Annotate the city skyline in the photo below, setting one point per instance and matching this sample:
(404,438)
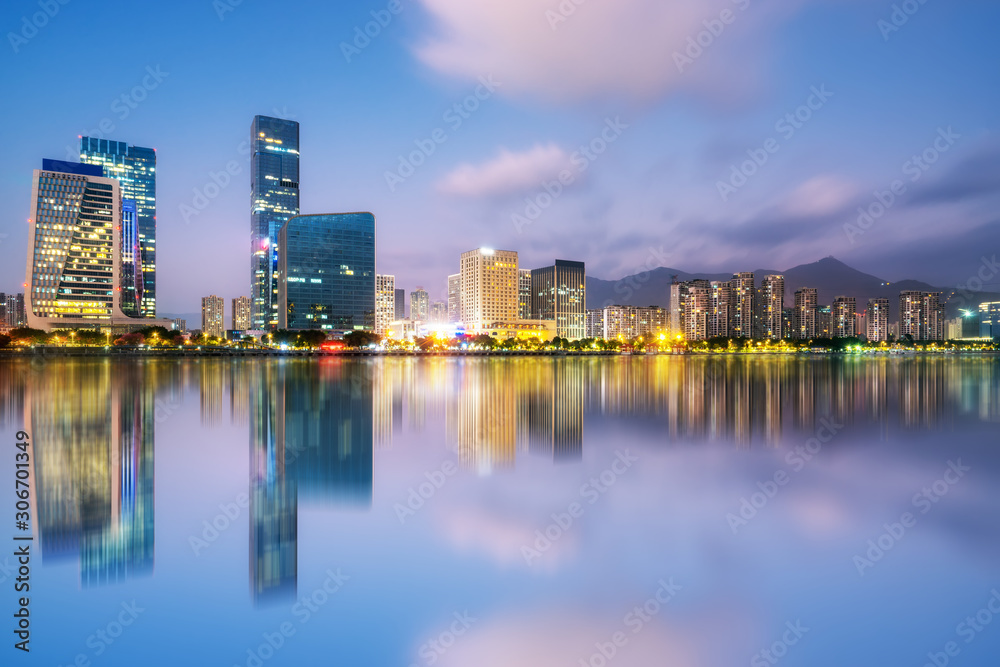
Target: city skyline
(653,191)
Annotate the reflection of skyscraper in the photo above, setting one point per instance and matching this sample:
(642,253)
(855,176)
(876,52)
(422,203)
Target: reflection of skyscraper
(555,410)
(94,468)
(274,508)
(486,425)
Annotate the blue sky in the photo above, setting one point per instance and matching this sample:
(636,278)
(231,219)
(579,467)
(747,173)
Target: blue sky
(673,128)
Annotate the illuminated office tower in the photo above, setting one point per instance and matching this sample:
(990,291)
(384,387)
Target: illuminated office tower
(744,292)
(213,310)
(806,314)
(455,297)
(385,303)
(274,199)
(400,304)
(524,293)
(559,292)
(134,168)
(720,313)
(877,317)
(489,288)
(420,305)
(843,311)
(326,272)
(771,303)
(242,313)
(921,315)
(438,312)
(74,267)
(989,319)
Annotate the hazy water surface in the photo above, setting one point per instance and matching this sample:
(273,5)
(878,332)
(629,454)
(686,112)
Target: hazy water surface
(488,512)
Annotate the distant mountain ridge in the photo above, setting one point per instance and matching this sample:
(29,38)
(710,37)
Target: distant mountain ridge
(829,276)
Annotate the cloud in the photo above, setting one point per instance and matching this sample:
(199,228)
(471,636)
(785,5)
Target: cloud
(820,195)
(506,173)
(627,49)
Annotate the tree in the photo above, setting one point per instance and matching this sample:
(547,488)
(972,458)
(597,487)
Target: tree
(130,339)
(90,337)
(28,336)
(4,340)
(311,338)
(361,339)
(484,341)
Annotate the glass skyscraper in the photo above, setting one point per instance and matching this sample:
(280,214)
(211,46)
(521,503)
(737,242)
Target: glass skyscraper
(134,168)
(274,199)
(559,292)
(326,272)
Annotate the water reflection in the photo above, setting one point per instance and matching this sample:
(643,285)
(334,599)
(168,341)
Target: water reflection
(314,425)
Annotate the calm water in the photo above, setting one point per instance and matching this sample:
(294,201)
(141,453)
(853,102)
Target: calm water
(487,513)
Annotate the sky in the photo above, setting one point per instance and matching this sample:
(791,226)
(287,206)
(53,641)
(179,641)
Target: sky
(703,135)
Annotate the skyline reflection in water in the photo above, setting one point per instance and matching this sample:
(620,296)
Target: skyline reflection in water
(318,434)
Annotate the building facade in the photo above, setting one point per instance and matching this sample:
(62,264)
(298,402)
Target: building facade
(438,312)
(844,311)
(274,199)
(242,313)
(12,310)
(771,303)
(400,304)
(489,288)
(134,167)
(989,320)
(921,315)
(420,305)
(524,293)
(877,320)
(455,297)
(626,323)
(806,313)
(559,292)
(326,272)
(744,304)
(213,316)
(385,303)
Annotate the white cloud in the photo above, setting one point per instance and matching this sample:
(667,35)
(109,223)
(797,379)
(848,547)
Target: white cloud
(623,49)
(820,195)
(507,172)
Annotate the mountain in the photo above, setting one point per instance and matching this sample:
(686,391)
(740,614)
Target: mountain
(829,275)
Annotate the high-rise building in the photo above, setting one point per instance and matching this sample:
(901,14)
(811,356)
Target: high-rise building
(844,312)
(399,304)
(489,288)
(771,302)
(559,292)
(455,297)
(824,322)
(438,312)
(989,319)
(806,314)
(921,315)
(720,310)
(12,310)
(74,268)
(179,324)
(524,293)
(326,272)
(420,305)
(242,311)
(274,199)
(744,304)
(385,303)
(595,323)
(877,320)
(213,312)
(134,167)
(678,301)
(697,310)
